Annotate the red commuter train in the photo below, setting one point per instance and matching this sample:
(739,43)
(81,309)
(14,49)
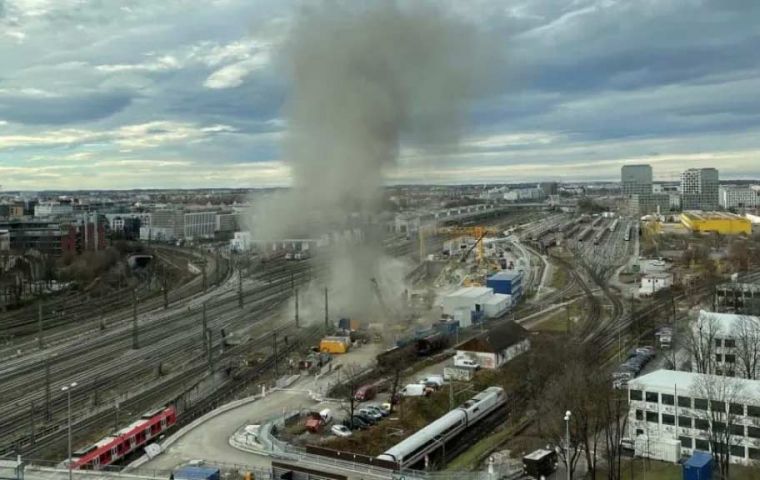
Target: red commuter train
(125,441)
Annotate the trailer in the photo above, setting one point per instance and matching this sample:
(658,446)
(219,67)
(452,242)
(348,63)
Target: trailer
(540,464)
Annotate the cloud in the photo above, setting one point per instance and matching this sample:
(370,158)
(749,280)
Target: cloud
(40,110)
(233,75)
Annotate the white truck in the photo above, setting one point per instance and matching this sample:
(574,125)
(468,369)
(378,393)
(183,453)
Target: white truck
(466,362)
(414,390)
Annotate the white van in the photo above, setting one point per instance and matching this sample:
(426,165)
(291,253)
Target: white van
(413,390)
(466,362)
(326,415)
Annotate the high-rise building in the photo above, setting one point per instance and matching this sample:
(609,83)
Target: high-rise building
(636,179)
(699,188)
(739,196)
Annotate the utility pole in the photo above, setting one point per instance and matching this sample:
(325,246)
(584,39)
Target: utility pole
(48,415)
(296,308)
(204,327)
(31,423)
(205,286)
(240,287)
(327,311)
(209,352)
(166,293)
(274,346)
(451,396)
(218,267)
(40,341)
(135,331)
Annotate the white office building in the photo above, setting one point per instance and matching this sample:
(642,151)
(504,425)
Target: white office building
(733,196)
(199,225)
(52,209)
(636,179)
(726,344)
(669,406)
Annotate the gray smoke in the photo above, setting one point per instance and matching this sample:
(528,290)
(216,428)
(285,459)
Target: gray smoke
(364,79)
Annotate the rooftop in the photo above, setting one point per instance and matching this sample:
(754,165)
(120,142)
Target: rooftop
(497,339)
(671,380)
(700,215)
(505,275)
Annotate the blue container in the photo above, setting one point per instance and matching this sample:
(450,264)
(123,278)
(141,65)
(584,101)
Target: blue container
(698,467)
(448,327)
(196,473)
(505,282)
(344,324)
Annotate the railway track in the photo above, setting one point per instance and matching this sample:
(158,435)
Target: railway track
(109,361)
(61,327)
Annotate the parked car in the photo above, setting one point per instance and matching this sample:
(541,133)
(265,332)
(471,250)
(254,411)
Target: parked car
(326,415)
(366,418)
(436,380)
(373,414)
(355,424)
(340,431)
(380,409)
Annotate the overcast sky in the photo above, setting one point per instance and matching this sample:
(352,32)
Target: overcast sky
(190,93)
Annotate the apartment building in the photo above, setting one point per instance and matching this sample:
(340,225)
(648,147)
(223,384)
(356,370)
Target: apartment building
(701,412)
(732,196)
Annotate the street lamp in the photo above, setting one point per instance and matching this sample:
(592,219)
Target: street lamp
(67,389)
(567,443)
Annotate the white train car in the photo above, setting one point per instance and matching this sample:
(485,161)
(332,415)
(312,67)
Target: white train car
(414,448)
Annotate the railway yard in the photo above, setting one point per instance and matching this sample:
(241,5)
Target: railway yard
(227,333)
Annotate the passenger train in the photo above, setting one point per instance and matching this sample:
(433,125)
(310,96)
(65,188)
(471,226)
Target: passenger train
(413,449)
(115,447)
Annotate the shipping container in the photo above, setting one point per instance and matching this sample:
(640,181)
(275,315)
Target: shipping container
(348,324)
(334,345)
(196,473)
(698,467)
(507,283)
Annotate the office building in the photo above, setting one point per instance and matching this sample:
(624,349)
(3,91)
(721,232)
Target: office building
(636,179)
(199,225)
(649,203)
(724,344)
(700,189)
(52,209)
(732,196)
(668,406)
(39,235)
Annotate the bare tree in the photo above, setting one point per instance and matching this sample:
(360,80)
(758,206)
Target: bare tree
(350,378)
(747,336)
(700,342)
(718,401)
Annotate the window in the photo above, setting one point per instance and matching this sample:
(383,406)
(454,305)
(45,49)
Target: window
(718,357)
(668,419)
(730,358)
(686,442)
(684,422)
(737,451)
(753,432)
(701,424)
(700,404)
(737,430)
(717,406)
(754,453)
(653,397)
(753,411)
(636,395)
(719,427)
(718,342)
(639,415)
(702,444)
(652,417)
(684,401)
(668,399)
(729,343)
(736,408)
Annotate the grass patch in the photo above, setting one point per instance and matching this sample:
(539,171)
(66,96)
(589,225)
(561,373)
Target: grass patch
(559,278)
(473,456)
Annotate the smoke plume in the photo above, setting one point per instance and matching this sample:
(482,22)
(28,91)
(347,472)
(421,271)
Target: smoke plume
(364,79)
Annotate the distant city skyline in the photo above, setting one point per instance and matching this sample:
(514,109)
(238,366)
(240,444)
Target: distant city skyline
(159,95)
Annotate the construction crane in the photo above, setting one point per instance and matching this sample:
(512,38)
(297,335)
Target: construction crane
(478,232)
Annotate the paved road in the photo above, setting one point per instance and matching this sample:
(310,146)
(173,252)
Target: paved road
(210,441)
